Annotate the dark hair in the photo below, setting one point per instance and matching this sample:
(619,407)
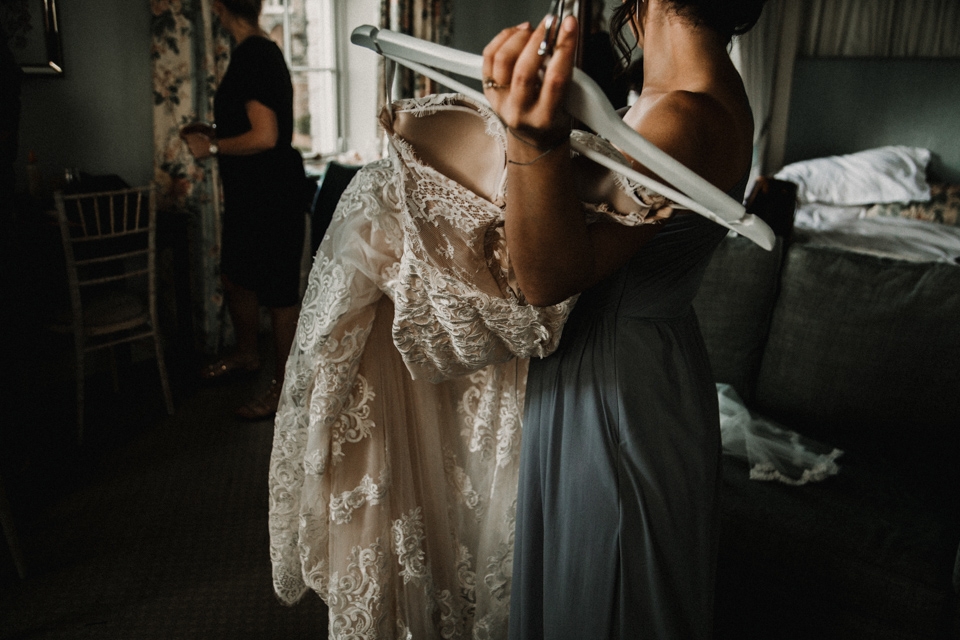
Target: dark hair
(247,9)
(726,17)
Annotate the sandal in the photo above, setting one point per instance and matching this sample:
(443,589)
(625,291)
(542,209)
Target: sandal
(263,407)
(229,369)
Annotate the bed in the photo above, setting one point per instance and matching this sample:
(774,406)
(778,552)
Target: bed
(878,201)
(874,147)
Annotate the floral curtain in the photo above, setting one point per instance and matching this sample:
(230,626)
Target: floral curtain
(426,19)
(190,54)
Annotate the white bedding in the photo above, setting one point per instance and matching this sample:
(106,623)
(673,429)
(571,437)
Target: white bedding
(835,195)
(900,238)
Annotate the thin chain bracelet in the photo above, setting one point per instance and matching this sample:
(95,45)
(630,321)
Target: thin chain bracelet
(531,144)
(545,153)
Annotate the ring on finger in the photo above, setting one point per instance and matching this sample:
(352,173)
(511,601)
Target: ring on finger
(490,83)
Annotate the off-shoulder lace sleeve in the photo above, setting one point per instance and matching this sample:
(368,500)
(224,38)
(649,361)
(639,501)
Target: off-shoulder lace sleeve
(457,306)
(607,193)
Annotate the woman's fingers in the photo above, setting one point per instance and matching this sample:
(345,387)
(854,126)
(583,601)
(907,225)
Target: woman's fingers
(526,95)
(198,144)
(541,91)
(505,59)
(527,67)
(559,70)
(493,53)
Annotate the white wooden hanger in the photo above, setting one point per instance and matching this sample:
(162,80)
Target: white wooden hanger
(585,102)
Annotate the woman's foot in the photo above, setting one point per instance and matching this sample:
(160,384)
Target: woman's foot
(229,368)
(262,407)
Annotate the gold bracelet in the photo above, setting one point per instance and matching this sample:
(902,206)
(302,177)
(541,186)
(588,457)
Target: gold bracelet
(547,152)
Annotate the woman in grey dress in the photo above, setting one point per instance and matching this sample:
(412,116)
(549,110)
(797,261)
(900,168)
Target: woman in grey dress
(617,509)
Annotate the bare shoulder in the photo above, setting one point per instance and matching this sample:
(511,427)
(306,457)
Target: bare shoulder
(710,135)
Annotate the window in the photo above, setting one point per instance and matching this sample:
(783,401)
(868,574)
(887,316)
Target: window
(330,115)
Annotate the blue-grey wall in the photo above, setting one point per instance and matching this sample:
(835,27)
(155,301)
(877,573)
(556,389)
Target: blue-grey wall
(476,22)
(98,116)
(844,105)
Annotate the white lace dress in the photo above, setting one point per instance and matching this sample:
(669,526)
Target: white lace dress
(393,477)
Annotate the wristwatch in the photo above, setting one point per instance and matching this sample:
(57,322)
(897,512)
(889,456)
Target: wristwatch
(214,149)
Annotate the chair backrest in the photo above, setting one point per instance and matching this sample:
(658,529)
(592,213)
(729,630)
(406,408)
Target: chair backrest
(108,237)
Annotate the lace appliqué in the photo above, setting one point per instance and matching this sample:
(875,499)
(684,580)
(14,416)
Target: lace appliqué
(457,609)
(367,493)
(491,411)
(355,597)
(354,423)
(408,538)
(461,484)
(455,285)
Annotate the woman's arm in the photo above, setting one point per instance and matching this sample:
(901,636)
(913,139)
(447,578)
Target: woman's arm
(263,135)
(553,251)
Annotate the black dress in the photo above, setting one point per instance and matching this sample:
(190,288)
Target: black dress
(264,204)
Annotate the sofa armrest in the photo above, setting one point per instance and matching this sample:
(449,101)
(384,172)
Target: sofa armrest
(956,573)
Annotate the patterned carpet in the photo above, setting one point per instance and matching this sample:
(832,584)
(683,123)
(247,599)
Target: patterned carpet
(154,528)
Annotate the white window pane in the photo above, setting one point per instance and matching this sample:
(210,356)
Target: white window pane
(306,32)
(316,124)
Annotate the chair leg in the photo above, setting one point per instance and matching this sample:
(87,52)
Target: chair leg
(80,381)
(113,369)
(6,521)
(162,367)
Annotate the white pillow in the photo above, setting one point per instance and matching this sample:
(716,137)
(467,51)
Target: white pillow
(881,175)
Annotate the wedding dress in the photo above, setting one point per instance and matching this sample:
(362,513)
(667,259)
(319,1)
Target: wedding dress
(393,476)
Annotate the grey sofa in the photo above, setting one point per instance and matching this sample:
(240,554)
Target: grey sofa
(862,353)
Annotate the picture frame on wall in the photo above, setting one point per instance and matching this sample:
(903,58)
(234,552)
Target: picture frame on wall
(32,30)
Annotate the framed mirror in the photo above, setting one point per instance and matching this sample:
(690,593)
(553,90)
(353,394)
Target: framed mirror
(32,30)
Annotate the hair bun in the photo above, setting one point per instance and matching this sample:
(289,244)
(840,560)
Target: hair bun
(727,17)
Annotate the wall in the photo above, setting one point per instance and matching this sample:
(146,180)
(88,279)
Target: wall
(843,105)
(98,116)
(475,23)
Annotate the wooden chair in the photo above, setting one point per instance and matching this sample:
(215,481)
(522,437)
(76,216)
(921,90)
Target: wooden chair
(109,242)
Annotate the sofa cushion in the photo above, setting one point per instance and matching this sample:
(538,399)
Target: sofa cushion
(858,555)
(865,351)
(734,305)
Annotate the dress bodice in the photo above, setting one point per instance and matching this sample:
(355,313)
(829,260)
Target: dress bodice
(661,280)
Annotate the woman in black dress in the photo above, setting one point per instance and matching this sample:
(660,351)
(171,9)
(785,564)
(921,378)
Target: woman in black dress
(263,187)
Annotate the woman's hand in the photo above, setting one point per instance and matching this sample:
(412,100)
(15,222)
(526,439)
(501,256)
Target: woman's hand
(263,135)
(528,97)
(199,144)
(554,253)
